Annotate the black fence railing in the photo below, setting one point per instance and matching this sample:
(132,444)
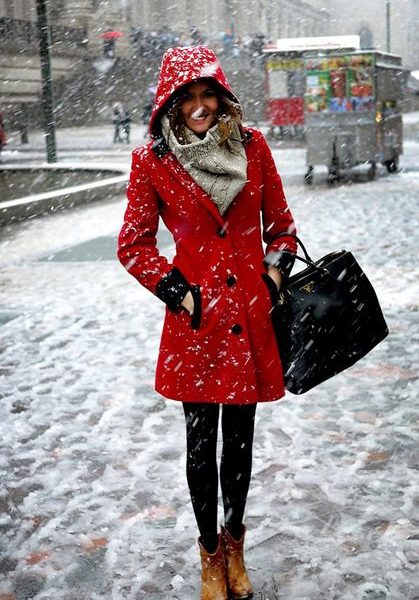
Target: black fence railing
(24,34)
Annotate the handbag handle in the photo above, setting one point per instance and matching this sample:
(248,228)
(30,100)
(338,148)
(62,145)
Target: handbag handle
(308,260)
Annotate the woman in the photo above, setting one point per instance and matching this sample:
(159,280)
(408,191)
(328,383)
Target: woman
(210,179)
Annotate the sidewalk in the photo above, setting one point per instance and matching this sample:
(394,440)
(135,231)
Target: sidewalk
(99,137)
(93,500)
(95,142)
(86,139)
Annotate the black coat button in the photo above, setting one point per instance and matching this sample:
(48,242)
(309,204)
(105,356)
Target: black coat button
(231,280)
(237,329)
(221,232)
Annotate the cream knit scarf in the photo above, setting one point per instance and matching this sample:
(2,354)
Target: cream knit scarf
(219,171)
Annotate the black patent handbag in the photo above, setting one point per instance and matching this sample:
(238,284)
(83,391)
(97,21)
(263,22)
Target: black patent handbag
(326,317)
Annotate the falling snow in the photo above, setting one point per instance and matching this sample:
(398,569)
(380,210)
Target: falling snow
(94,498)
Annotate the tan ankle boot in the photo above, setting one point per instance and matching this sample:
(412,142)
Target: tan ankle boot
(213,574)
(238,582)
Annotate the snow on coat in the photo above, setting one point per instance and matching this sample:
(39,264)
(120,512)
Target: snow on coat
(226,353)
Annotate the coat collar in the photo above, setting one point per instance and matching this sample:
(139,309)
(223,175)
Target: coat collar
(163,152)
(160,147)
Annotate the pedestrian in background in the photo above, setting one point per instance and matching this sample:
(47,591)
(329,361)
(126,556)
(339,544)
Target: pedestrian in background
(122,123)
(146,112)
(3,140)
(210,178)
(126,124)
(236,48)
(117,118)
(148,106)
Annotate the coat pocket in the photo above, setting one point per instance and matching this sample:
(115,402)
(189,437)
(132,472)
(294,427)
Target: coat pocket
(211,308)
(197,310)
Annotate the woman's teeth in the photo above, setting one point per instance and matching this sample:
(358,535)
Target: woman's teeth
(199,115)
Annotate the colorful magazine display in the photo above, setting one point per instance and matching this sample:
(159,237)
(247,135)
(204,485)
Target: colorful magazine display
(340,84)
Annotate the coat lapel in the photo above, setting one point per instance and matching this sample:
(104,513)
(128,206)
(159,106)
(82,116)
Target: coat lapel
(178,171)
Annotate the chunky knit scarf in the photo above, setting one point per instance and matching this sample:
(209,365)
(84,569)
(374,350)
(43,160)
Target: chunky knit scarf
(218,170)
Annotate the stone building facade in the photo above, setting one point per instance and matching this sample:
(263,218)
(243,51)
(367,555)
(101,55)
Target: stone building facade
(413,36)
(19,53)
(287,18)
(293,18)
(241,18)
(77,27)
(369,19)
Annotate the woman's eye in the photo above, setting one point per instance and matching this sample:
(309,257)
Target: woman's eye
(209,93)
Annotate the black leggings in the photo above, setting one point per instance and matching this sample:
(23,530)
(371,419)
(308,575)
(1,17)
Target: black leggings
(237,423)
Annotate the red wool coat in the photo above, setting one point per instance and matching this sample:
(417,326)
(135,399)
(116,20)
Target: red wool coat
(227,352)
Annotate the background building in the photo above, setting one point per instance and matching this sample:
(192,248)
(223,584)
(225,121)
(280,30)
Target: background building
(90,72)
(76,27)
(369,20)
(240,18)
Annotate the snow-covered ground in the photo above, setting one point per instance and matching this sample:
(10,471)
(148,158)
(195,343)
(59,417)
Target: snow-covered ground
(411,118)
(93,496)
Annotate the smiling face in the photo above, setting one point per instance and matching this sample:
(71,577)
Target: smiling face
(199,107)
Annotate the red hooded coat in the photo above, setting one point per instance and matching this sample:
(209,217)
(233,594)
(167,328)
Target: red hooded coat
(227,352)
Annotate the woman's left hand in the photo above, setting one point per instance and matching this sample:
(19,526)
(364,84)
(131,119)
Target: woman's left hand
(188,303)
(276,276)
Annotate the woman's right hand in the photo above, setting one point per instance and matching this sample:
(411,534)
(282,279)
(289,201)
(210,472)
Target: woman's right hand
(188,303)
(276,275)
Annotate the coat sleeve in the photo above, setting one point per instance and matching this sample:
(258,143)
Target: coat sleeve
(137,242)
(276,216)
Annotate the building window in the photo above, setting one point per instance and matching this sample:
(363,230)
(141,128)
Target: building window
(9,9)
(28,10)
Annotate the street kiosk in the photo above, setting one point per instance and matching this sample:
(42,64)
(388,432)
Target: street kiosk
(285,82)
(351,111)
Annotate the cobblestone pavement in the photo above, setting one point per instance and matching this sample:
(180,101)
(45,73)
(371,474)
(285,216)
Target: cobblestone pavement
(93,498)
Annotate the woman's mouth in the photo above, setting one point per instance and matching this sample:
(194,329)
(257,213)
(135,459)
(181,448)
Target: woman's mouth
(199,115)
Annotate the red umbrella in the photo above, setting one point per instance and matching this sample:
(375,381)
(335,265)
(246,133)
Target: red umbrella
(111,35)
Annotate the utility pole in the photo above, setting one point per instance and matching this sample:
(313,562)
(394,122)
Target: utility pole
(47,98)
(388,25)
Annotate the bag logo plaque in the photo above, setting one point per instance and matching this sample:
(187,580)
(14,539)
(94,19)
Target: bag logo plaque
(308,287)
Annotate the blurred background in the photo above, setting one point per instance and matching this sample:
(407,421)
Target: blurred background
(107,51)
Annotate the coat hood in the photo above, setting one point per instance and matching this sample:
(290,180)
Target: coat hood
(181,66)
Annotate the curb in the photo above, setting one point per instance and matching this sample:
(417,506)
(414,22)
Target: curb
(37,205)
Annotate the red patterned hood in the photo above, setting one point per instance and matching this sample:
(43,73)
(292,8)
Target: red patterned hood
(183,65)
